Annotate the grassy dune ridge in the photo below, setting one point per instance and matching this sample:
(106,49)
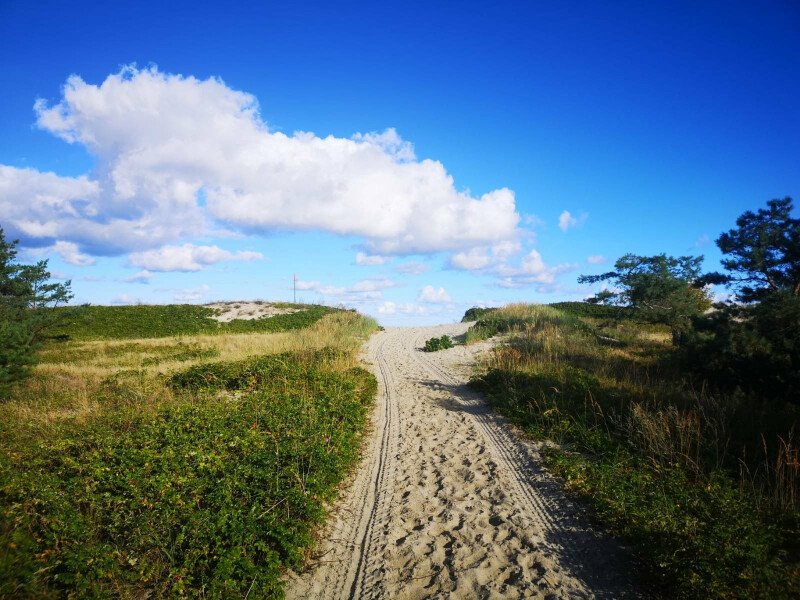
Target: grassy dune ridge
(704,485)
(159,321)
(195,465)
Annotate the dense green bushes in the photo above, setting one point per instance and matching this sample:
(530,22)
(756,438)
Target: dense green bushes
(681,473)
(595,311)
(207,495)
(435,344)
(150,321)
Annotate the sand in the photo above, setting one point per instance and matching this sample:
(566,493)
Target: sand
(449,502)
(229,311)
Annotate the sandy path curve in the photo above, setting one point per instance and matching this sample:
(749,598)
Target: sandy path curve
(448,502)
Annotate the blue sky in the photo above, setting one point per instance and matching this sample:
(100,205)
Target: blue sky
(442,146)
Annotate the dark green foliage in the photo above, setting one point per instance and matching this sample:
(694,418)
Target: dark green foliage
(146,321)
(207,496)
(436,344)
(27,303)
(17,351)
(491,325)
(594,310)
(754,345)
(698,532)
(475,313)
(754,349)
(658,289)
(701,541)
(762,255)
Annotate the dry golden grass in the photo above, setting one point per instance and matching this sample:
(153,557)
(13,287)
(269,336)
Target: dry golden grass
(72,379)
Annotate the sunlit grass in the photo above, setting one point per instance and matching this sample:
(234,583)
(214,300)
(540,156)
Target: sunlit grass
(115,482)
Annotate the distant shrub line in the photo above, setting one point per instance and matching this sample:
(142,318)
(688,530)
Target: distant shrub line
(150,321)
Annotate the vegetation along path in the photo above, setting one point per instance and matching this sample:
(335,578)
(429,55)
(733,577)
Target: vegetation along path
(449,502)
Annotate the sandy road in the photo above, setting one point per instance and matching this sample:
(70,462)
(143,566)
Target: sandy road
(449,502)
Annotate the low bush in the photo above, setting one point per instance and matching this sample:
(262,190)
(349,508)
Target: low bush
(435,344)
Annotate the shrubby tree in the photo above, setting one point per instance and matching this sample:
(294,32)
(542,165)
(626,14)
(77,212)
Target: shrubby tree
(27,302)
(762,255)
(753,341)
(660,289)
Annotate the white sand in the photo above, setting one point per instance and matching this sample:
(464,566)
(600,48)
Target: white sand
(448,502)
(229,311)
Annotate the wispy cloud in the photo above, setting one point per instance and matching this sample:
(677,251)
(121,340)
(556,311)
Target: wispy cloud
(411,268)
(371,259)
(566,220)
(366,290)
(140,277)
(405,308)
(193,295)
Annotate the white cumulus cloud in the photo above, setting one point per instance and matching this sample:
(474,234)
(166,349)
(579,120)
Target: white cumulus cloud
(434,295)
(479,258)
(179,157)
(596,259)
(187,257)
(531,270)
(70,253)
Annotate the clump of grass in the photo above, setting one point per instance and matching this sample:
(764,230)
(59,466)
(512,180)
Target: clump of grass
(435,344)
(658,458)
(475,313)
(185,476)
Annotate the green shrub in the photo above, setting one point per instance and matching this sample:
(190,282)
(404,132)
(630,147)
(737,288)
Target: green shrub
(209,495)
(152,321)
(595,311)
(475,313)
(441,343)
(17,352)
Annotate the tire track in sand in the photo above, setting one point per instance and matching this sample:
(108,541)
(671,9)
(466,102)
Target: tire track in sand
(449,502)
(339,567)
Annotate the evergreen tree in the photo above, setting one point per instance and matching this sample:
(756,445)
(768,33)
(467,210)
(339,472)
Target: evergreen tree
(27,303)
(660,289)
